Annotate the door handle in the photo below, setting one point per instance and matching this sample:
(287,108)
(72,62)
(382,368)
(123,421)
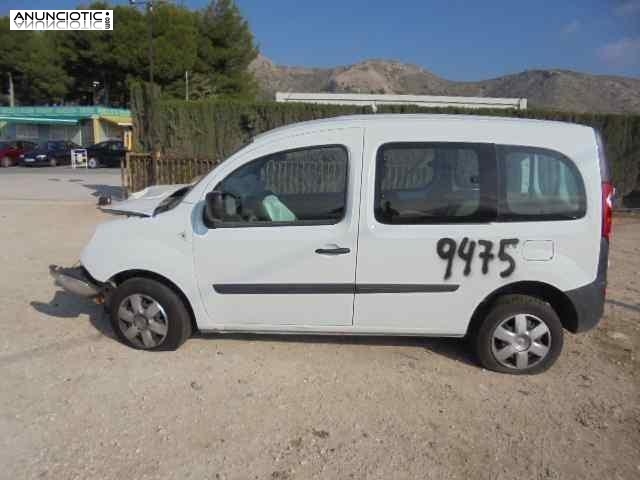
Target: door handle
(333,251)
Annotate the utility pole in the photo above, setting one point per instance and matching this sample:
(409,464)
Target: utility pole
(186,85)
(12,97)
(150,13)
(95,85)
(105,90)
(149,5)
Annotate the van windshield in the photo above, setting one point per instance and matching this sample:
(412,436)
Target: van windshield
(175,198)
(197,179)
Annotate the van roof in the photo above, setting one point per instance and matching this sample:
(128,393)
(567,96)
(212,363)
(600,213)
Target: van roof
(395,118)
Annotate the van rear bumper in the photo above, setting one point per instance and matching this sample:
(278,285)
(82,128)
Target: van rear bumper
(588,301)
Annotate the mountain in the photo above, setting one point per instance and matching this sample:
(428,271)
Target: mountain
(547,89)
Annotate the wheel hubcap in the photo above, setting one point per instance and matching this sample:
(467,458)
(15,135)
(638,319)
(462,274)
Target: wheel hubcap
(521,341)
(142,320)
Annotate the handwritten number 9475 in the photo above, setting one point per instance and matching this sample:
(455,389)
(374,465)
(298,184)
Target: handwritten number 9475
(448,249)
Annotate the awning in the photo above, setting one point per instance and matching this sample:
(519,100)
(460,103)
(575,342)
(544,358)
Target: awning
(40,120)
(119,121)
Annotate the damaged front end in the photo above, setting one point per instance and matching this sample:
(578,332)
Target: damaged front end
(78,281)
(147,202)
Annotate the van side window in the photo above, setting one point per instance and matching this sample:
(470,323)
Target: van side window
(294,187)
(538,184)
(422,183)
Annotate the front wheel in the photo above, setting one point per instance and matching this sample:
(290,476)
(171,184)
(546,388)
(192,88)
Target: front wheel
(148,315)
(92,163)
(53,162)
(520,335)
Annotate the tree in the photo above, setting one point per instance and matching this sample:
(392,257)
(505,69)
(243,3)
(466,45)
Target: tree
(11,52)
(214,45)
(226,47)
(34,64)
(107,57)
(114,58)
(44,79)
(175,43)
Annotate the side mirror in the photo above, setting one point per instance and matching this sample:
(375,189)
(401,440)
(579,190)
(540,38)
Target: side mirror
(213,208)
(218,206)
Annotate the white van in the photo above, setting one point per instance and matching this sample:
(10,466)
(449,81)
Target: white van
(429,225)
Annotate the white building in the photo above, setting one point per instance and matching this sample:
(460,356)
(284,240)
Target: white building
(375,100)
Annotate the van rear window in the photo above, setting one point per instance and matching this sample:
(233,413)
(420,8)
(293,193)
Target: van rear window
(538,184)
(442,182)
(422,183)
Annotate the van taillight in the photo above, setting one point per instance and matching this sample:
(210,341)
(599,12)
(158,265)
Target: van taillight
(607,208)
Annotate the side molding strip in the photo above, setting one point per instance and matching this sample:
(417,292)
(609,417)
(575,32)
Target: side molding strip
(282,288)
(329,288)
(405,288)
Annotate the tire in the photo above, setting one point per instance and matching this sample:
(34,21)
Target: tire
(521,335)
(93,163)
(166,329)
(5,162)
(53,162)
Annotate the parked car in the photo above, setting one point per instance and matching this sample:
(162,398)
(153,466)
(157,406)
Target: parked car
(51,153)
(433,225)
(11,150)
(106,154)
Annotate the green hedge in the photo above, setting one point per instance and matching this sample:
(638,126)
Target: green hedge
(215,129)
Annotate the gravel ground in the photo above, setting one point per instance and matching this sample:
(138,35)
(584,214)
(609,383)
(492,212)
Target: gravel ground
(75,403)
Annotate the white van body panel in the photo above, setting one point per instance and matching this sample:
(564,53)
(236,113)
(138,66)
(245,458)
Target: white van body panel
(159,245)
(143,202)
(399,254)
(177,245)
(280,255)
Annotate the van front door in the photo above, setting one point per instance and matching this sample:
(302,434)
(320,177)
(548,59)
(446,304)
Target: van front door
(284,251)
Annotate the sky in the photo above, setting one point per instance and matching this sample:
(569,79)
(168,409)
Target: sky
(458,40)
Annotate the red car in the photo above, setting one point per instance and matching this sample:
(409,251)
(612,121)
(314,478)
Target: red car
(11,150)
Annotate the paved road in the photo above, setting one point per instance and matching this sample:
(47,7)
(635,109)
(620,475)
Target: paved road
(58,183)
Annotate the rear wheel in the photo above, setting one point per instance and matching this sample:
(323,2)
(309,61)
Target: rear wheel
(5,162)
(92,163)
(53,162)
(520,335)
(148,315)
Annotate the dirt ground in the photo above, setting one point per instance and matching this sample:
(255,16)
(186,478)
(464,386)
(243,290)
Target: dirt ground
(75,403)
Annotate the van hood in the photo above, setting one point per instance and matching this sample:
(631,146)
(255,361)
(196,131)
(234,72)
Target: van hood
(144,202)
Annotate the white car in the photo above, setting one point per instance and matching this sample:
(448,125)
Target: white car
(429,225)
